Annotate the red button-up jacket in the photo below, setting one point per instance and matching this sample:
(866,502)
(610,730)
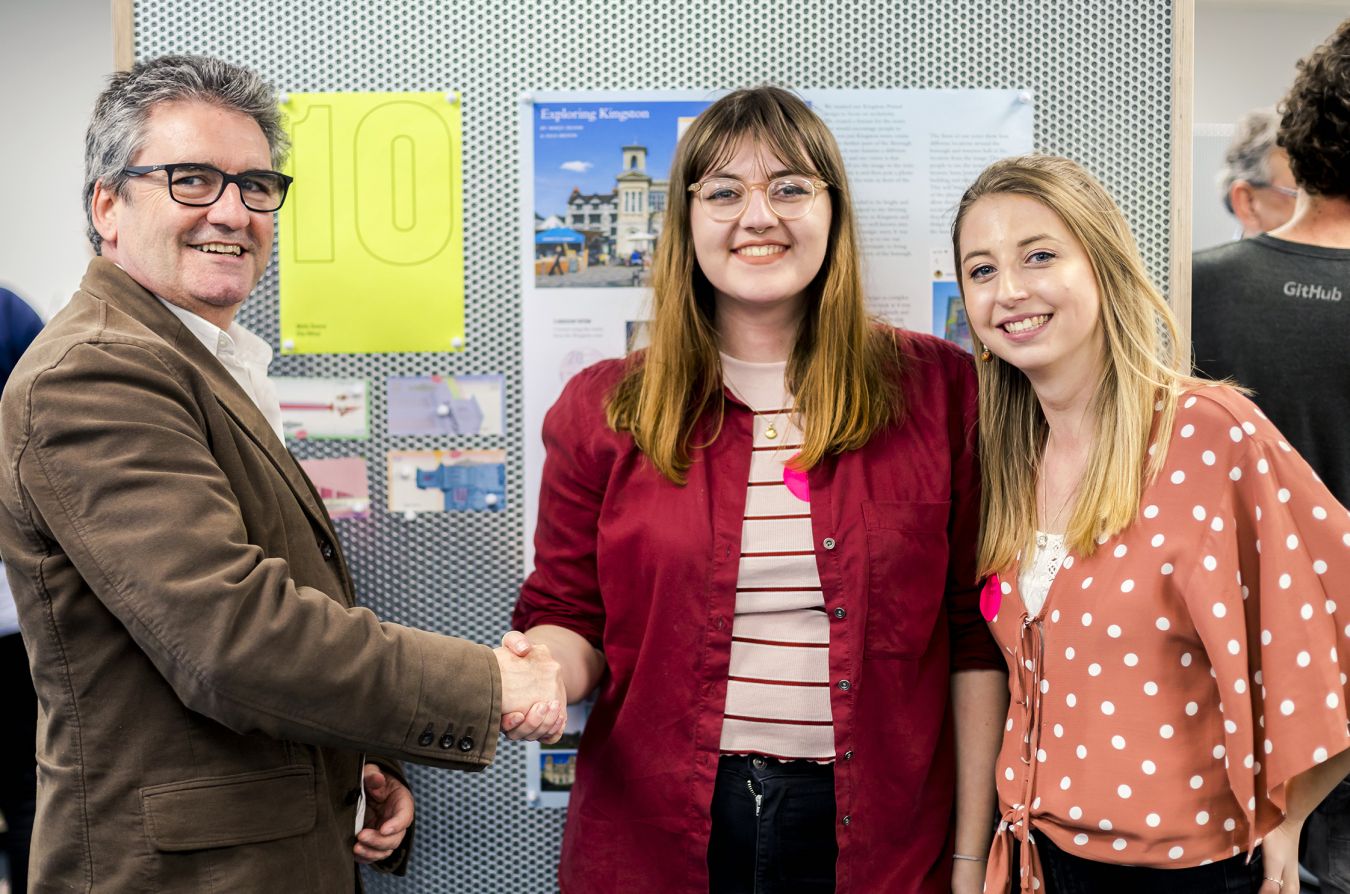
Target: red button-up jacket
(646,571)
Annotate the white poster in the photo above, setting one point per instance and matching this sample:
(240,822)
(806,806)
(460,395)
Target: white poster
(595,169)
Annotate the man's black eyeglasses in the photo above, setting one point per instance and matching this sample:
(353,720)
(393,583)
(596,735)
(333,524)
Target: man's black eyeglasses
(198,185)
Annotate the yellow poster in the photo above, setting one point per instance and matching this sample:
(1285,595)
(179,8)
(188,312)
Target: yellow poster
(371,236)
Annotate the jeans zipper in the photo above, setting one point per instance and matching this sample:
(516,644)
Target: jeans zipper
(759,799)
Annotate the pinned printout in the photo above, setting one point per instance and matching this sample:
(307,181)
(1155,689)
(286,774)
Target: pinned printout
(342,484)
(949,314)
(550,770)
(447,481)
(446,405)
(949,311)
(324,408)
(371,236)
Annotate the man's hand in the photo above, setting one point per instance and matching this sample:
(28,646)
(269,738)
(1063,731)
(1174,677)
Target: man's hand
(389,813)
(534,700)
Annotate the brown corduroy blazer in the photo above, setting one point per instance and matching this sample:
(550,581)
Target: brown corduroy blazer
(206,684)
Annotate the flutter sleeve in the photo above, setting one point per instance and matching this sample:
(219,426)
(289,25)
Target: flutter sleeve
(1271,601)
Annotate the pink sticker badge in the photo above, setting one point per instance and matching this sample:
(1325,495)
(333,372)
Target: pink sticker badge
(991,597)
(796,482)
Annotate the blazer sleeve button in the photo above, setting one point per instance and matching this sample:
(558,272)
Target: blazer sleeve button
(466,744)
(428,736)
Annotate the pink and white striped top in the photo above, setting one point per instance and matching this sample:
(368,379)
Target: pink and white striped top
(778,691)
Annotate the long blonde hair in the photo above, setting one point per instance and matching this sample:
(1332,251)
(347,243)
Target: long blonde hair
(1143,373)
(843,367)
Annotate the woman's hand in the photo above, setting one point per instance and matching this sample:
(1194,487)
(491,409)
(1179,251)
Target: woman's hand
(1279,853)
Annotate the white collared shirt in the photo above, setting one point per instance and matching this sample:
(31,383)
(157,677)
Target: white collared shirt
(244,356)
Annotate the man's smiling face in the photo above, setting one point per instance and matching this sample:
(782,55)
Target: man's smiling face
(203,259)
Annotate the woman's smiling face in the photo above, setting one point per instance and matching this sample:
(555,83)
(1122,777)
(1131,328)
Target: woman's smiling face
(759,259)
(1031,296)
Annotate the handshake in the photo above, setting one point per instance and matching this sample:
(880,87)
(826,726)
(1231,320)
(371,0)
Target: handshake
(534,699)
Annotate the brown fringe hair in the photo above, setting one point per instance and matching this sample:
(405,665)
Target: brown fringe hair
(844,367)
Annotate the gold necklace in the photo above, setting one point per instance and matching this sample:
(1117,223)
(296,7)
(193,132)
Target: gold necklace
(1047,517)
(1043,501)
(771,429)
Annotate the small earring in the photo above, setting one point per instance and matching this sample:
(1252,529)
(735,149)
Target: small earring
(986,355)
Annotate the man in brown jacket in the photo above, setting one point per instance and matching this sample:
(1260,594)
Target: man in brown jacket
(212,703)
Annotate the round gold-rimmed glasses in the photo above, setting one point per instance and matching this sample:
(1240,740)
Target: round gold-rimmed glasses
(726,198)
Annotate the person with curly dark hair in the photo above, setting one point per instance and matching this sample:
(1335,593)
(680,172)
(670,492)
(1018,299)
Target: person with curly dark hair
(1315,128)
(1273,313)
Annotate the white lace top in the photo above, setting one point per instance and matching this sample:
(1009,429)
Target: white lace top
(1037,574)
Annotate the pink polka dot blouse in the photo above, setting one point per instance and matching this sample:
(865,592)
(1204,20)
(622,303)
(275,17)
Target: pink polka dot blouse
(1175,680)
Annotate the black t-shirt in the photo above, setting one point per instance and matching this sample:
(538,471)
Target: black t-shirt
(1275,316)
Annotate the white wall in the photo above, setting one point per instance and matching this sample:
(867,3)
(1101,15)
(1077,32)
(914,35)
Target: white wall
(54,58)
(1245,54)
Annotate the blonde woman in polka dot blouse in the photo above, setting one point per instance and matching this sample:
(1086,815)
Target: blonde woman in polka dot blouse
(1168,577)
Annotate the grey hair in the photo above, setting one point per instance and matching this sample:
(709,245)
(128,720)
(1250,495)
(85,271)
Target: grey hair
(1248,156)
(117,130)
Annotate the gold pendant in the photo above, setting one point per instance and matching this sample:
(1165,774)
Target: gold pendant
(770,432)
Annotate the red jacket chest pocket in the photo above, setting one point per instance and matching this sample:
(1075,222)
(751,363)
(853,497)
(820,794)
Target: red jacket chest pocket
(906,575)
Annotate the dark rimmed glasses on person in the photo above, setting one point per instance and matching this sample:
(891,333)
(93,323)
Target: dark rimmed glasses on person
(790,198)
(199,185)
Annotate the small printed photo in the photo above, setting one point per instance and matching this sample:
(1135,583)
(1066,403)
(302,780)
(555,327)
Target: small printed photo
(949,315)
(600,187)
(447,480)
(446,405)
(323,408)
(557,770)
(342,485)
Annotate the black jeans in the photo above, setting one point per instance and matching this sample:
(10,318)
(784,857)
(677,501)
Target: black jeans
(772,827)
(1067,874)
(1327,835)
(18,763)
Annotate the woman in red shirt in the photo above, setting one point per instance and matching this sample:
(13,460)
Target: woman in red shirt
(756,539)
(1170,588)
